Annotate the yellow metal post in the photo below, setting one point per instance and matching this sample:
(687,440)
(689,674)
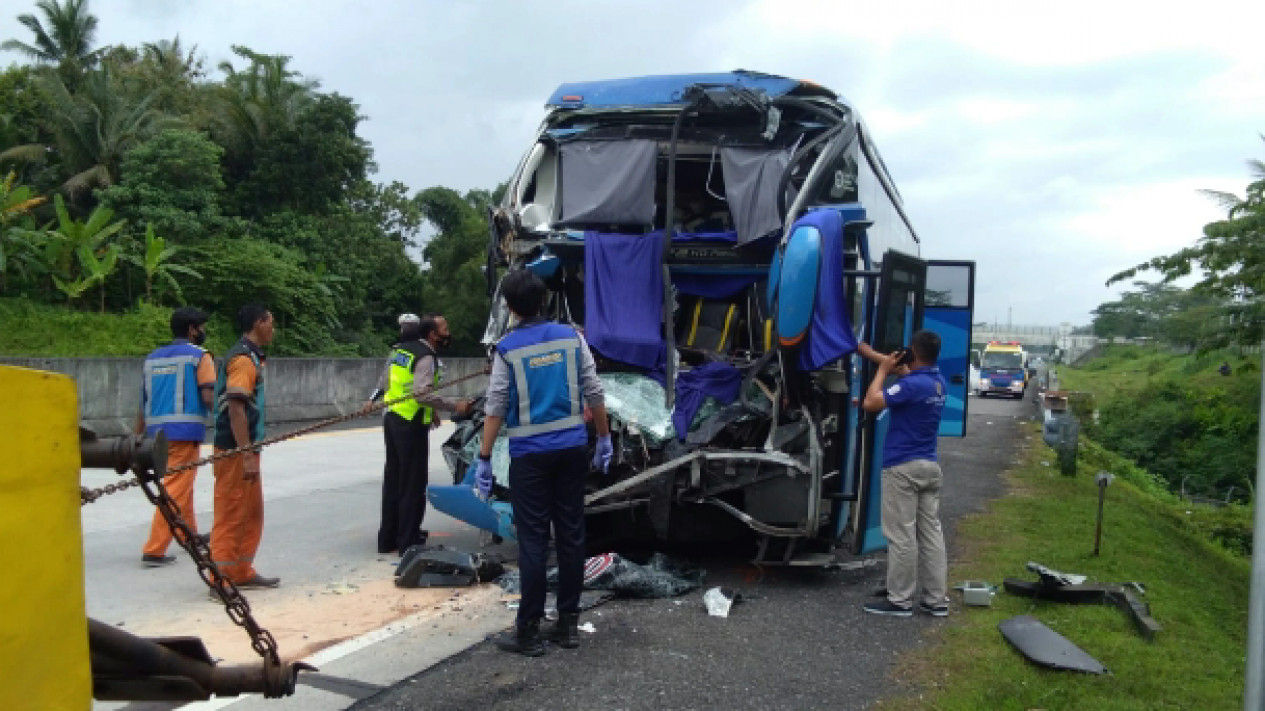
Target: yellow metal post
(43,621)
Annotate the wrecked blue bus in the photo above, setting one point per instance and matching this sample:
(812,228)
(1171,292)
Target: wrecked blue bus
(723,240)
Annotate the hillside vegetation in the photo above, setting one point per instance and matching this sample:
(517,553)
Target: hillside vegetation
(1176,415)
(134,176)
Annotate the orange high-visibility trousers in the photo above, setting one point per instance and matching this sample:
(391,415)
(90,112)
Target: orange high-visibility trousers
(239,519)
(180,487)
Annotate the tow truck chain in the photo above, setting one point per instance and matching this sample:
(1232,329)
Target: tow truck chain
(235,604)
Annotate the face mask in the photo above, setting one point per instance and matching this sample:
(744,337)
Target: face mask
(445,341)
(199,337)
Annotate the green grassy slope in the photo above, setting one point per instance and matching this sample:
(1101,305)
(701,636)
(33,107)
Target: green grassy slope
(1197,590)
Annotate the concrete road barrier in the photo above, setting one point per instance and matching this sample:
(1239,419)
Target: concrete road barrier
(299,389)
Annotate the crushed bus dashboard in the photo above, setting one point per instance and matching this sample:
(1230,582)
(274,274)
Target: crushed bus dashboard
(723,241)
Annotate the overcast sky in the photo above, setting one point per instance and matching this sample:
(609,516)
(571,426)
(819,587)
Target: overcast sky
(1054,144)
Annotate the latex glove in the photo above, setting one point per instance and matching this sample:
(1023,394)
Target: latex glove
(483,477)
(602,455)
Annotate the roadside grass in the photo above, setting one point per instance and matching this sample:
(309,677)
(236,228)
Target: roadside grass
(1198,592)
(31,329)
(1125,370)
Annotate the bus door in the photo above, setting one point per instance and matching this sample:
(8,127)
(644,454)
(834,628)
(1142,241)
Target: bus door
(948,307)
(901,287)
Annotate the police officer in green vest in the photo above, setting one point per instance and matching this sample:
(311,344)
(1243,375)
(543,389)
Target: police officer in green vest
(412,369)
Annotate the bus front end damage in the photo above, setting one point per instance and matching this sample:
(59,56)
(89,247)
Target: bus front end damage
(722,241)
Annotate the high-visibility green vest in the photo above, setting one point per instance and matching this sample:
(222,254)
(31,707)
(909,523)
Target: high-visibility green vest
(400,380)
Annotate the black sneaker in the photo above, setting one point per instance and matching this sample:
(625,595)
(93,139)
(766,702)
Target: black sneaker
(258,581)
(157,561)
(941,610)
(887,607)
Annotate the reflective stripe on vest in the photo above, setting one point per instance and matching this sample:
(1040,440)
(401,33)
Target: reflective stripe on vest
(173,401)
(546,387)
(400,384)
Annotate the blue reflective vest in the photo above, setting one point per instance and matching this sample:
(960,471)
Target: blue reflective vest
(546,409)
(171,400)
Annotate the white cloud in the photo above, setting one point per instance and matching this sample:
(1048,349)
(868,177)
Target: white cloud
(1055,144)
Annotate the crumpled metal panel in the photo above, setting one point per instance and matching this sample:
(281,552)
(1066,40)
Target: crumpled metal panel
(1046,647)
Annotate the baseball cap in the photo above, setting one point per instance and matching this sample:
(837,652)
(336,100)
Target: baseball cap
(409,318)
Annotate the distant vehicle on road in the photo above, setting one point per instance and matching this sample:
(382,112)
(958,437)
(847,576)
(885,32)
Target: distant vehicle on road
(723,240)
(1003,369)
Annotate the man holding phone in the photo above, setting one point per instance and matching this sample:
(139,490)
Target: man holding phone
(911,476)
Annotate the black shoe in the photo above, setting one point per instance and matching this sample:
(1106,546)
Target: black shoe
(259,581)
(523,639)
(157,561)
(565,632)
(941,610)
(887,607)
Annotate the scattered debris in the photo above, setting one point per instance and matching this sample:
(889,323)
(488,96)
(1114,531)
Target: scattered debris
(588,600)
(660,577)
(587,627)
(340,589)
(1064,587)
(422,567)
(719,601)
(1052,577)
(1044,646)
(977,593)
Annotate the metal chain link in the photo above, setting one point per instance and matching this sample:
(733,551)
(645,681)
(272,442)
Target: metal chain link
(235,604)
(88,496)
(238,609)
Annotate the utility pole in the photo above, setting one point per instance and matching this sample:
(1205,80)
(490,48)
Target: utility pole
(1253,693)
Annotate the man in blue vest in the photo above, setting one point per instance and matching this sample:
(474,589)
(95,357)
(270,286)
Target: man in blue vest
(542,375)
(412,368)
(176,399)
(911,478)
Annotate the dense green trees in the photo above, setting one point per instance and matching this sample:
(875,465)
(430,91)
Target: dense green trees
(1230,258)
(253,180)
(1164,313)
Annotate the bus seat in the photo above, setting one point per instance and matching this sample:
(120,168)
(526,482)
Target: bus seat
(711,326)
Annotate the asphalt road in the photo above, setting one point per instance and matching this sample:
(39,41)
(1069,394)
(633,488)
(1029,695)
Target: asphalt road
(336,603)
(799,641)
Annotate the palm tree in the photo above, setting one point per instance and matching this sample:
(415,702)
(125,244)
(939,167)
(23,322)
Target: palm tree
(68,39)
(259,100)
(96,126)
(170,58)
(14,149)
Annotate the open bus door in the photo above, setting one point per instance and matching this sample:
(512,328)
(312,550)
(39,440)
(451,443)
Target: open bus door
(914,294)
(899,312)
(949,304)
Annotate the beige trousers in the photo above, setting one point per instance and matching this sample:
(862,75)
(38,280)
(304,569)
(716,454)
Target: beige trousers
(911,524)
